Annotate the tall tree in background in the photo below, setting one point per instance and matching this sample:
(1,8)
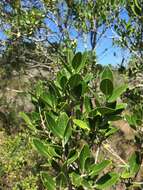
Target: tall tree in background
(129,30)
(52,22)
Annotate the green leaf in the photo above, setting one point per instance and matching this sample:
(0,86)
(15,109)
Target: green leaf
(136,10)
(41,147)
(52,125)
(114,117)
(106,86)
(112,2)
(76,179)
(87,184)
(44,149)
(67,134)
(27,120)
(105,110)
(48,181)
(81,124)
(62,123)
(63,81)
(77,91)
(84,154)
(117,92)
(58,127)
(77,60)
(53,89)
(48,99)
(134,165)
(88,77)
(70,56)
(132,120)
(73,155)
(137,5)
(39,89)
(96,169)
(111,131)
(107,74)
(121,106)
(87,104)
(107,180)
(75,80)
(52,152)
(61,180)
(83,62)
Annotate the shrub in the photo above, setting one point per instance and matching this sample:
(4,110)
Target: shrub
(71,124)
(18,166)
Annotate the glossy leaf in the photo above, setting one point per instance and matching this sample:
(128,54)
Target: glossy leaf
(117,92)
(106,86)
(83,62)
(51,124)
(77,60)
(84,154)
(27,120)
(61,180)
(111,131)
(131,119)
(108,180)
(75,80)
(62,123)
(77,91)
(44,149)
(41,147)
(134,162)
(105,110)
(70,56)
(63,81)
(114,117)
(96,169)
(48,99)
(76,179)
(72,157)
(68,133)
(87,104)
(81,124)
(48,181)
(134,166)
(107,74)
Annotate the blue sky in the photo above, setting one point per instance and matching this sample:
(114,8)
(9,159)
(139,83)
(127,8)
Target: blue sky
(105,58)
(105,43)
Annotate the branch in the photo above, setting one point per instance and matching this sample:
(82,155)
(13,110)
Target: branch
(130,49)
(109,149)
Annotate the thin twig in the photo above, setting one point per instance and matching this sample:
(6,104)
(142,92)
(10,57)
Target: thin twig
(109,149)
(97,154)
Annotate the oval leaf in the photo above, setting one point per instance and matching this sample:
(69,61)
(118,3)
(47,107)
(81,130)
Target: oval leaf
(134,166)
(27,120)
(48,181)
(40,147)
(84,154)
(77,60)
(95,169)
(117,92)
(72,157)
(106,86)
(81,124)
(107,74)
(107,180)
(62,122)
